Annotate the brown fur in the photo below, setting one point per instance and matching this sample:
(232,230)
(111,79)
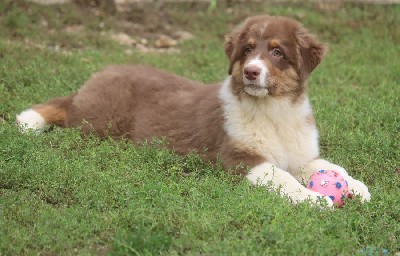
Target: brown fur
(55,111)
(141,103)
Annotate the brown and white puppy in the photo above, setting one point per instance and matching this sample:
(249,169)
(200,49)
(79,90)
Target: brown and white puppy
(259,118)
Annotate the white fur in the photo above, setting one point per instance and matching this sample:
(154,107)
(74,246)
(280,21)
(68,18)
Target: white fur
(30,120)
(271,127)
(276,128)
(269,175)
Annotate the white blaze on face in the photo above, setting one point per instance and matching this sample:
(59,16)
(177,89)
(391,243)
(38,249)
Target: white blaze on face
(259,86)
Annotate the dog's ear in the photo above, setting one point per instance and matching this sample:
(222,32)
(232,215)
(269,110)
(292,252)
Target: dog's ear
(232,41)
(311,50)
(230,50)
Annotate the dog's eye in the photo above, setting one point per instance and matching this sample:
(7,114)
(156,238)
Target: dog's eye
(276,53)
(248,50)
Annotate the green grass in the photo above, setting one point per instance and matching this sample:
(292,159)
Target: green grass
(62,194)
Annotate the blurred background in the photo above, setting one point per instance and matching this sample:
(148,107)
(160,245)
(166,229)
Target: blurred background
(154,26)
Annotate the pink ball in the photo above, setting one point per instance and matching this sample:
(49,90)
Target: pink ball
(331,184)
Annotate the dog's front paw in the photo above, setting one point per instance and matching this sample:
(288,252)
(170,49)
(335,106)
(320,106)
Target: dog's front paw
(356,187)
(305,195)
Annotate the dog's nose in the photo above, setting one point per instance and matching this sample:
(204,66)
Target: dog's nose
(252,72)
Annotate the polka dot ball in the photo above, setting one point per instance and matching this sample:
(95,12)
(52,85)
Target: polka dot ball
(329,183)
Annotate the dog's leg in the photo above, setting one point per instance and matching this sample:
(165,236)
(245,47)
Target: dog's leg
(356,186)
(268,175)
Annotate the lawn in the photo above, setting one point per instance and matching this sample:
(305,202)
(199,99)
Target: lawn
(62,194)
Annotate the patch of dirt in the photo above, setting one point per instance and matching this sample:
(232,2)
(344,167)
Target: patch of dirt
(163,44)
(151,27)
(123,39)
(135,24)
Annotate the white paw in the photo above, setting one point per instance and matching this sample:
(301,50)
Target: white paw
(30,120)
(359,188)
(316,198)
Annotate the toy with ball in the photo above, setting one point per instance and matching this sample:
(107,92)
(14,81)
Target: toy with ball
(331,184)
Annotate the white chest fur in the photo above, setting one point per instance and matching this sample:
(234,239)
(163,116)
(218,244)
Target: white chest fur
(274,128)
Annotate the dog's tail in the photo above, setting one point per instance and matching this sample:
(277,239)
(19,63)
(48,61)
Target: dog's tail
(53,112)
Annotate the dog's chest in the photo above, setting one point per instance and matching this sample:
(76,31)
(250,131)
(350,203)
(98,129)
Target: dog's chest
(277,130)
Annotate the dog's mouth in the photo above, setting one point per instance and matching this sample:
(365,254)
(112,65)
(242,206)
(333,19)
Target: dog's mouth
(259,82)
(256,86)
(256,89)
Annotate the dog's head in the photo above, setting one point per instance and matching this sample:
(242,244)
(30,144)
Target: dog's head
(271,55)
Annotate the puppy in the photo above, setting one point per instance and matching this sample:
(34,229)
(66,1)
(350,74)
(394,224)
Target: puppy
(258,121)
